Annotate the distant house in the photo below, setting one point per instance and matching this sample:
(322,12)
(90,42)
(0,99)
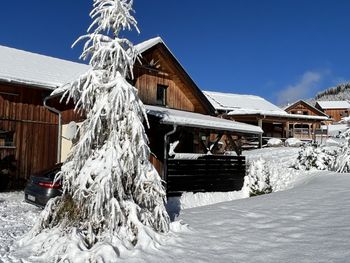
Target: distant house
(302,107)
(274,121)
(178,111)
(336,110)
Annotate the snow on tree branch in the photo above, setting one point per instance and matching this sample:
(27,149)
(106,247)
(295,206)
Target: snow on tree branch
(111,192)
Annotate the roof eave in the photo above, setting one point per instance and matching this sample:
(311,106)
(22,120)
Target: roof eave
(33,84)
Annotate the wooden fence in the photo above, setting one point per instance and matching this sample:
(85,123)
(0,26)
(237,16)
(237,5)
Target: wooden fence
(211,173)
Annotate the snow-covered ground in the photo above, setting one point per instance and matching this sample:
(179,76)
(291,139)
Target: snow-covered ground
(16,218)
(307,223)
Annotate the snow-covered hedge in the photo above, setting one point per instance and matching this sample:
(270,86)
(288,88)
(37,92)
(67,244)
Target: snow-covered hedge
(274,142)
(293,142)
(314,157)
(258,178)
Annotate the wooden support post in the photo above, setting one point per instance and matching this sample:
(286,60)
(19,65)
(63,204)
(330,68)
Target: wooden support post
(287,129)
(260,124)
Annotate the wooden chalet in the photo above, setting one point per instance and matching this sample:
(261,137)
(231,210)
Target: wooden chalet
(179,113)
(274,121)
(303,129)
(336,110)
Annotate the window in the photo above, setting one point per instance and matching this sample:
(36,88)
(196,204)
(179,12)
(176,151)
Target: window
(6,138)
(305,113)
(161,95)
(344,114)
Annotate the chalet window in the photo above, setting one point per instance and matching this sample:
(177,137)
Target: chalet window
(305,113)
(344,114)
(161,95)
(6,138)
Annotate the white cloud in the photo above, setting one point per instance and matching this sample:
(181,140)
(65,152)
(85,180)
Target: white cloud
(301,89)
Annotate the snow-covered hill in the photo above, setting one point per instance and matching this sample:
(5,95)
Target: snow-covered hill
(340,92)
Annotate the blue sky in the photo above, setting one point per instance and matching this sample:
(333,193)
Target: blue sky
(279,49)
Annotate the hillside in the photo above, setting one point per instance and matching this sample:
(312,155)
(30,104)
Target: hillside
(340,92)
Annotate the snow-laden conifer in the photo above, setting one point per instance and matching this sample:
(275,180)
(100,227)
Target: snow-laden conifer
(342,164)
(111,192)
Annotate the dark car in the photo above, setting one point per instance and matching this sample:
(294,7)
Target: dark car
(41,187)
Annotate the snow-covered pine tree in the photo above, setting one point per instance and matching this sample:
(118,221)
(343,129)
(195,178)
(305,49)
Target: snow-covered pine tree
(111,192)
(342,164)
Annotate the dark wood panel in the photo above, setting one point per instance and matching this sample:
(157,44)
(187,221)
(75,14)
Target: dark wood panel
(34,128)
(210,174)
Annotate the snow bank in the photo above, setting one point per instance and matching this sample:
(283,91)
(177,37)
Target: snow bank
(293,142)
(279,162)
(332,142)
(191,200)
(336,129)
(274,142)
(188,156)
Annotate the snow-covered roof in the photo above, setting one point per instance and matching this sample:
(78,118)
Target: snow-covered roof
(238,104)
(143,46)
(24,67)
(343,104)
(191,119)
(306,103)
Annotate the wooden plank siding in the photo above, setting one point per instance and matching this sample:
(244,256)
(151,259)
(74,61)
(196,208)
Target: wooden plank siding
(35,129)
(303,109)
(337,114)
(183,93)
(147,83)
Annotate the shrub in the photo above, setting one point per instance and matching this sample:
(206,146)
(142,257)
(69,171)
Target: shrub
(315,157)
(258,178)
(342,164)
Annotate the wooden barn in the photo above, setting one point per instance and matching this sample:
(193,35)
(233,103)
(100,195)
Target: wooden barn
(255,110)
(179,114)
(28,130)
(336,110)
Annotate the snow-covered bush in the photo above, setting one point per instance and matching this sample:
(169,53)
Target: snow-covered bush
(113,197)
(331,142)
(274,142)
(342,164)
(257,179)
(315,157)
(293,142)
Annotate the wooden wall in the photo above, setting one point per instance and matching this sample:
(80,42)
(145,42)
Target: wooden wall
(337,114)
(147,83)
(35,129)
(303,109)
(159,67)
